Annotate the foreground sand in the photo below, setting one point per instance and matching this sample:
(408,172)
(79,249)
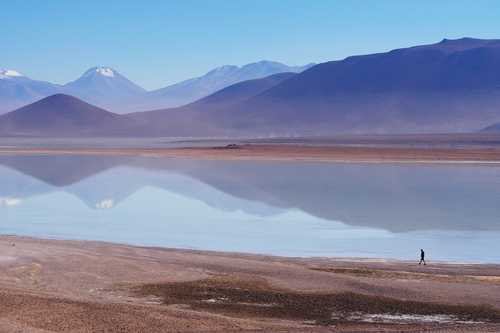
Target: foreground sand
(77,286)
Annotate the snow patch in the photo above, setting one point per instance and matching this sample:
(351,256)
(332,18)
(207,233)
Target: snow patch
(9,73)
(408,318)
(9,201)
(216,300)
(105,71)
(105,204)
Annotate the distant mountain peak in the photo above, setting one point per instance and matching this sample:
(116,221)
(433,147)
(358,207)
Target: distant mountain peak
(264,62)
(273,66)
(462,43)
(9,73)
(62,115)
(193,89)
(105,87)
(100,70)
(222,70)
(462,39)
(64,102)
(59,97)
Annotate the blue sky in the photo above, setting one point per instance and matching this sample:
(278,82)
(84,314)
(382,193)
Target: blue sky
(155,43)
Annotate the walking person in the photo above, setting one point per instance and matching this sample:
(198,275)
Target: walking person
(422,257)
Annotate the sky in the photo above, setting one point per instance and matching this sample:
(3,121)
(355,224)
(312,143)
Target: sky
(156,43)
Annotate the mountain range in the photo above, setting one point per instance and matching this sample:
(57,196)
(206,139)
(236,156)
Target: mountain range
(194,89)
(448,87)
(452,86)
(65,115)
(107,88)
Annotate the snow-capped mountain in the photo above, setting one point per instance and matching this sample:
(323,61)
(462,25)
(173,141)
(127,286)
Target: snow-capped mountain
(105,87)
(196,88)
(17,90)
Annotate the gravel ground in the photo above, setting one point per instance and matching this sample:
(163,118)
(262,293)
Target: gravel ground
(78,286)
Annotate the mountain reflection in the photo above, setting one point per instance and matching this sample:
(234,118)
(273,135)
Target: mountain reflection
(390,197)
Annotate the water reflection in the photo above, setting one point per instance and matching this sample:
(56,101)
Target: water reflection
(269,207)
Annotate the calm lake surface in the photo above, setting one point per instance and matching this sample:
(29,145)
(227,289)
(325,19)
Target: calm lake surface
(282,208)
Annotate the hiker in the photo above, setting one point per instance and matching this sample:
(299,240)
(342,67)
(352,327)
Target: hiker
(422,257)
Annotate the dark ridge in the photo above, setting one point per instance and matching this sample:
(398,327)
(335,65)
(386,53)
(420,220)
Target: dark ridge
(62,115)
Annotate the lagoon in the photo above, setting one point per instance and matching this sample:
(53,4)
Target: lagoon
(281,208)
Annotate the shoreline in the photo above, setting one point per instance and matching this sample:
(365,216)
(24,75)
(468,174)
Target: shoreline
(291,153)
(347,259)
(46,283)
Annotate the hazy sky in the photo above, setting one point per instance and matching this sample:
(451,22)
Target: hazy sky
(155,43)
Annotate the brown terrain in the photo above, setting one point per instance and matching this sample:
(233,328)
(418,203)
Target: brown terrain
(84,286)
(290,152)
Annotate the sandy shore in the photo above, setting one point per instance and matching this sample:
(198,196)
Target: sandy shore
(292,152)
(83,286)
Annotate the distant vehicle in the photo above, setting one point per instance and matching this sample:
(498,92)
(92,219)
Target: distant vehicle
(229,146)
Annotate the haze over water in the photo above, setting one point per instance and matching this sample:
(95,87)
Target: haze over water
(281,208)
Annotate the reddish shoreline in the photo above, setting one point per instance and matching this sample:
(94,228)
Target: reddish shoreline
(292,153)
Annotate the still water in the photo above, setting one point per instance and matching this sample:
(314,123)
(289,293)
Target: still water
(282,208)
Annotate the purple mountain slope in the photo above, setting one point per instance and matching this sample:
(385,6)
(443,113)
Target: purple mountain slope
(240,92)
(192,119)
(452,86)
(219,78)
